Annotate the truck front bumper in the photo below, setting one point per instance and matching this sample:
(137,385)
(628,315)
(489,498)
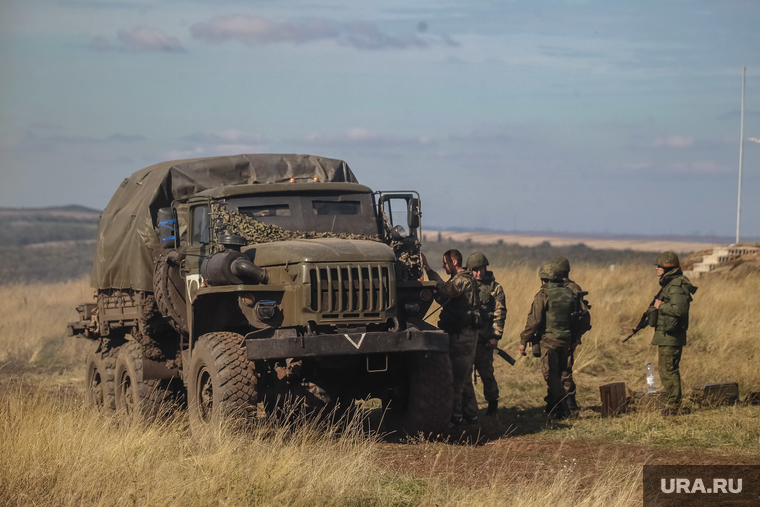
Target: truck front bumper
(409,340)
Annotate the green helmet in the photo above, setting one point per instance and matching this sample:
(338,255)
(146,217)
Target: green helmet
(667,260)
(562,264)
(476,260)
(549,272)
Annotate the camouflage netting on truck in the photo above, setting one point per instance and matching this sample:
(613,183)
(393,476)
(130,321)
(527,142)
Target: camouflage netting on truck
(226,221)
(233,222)
(127,242)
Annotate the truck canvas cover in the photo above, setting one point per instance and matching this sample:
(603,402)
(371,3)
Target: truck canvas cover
(127,239)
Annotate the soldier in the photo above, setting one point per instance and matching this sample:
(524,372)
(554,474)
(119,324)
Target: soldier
(581,324)
(670,316)
(494,313)
(460,318)
(549,322)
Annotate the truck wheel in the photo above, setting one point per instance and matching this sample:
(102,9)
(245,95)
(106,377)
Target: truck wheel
(136,397)
(101,371)
(430,395)
(169,288)
(221,382)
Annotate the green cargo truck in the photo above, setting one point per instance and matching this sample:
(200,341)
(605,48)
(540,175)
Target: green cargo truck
(240,280)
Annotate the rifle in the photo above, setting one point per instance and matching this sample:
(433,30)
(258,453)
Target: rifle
(644,320)
(505,356)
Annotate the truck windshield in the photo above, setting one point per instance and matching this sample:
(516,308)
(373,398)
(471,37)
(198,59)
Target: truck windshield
(351,213)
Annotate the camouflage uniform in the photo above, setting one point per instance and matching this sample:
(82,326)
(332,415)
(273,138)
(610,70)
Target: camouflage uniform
(461,319)
(494,312)
(671,322)
(549,321)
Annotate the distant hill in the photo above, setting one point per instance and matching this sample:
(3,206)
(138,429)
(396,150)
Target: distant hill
(46,244)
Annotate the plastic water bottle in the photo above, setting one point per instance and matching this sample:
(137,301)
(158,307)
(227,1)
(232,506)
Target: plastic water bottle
(651,388)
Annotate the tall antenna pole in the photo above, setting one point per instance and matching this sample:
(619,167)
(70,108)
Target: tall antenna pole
(741,159)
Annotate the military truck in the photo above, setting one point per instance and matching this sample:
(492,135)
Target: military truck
(262,279)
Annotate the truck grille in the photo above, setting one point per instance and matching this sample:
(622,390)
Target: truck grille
(351,288)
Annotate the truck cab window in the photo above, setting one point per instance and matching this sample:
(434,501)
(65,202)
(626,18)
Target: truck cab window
(335,207)
(269,210)
(200,225)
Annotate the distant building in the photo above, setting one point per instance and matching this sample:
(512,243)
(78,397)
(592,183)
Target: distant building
(719,256)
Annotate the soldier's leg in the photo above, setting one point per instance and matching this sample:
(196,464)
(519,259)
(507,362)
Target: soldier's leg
(462,353)
(670,374)
(484,365)
(469,401)
(568,383)
(550,366)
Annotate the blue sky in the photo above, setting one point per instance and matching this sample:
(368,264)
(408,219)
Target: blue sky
(565,115)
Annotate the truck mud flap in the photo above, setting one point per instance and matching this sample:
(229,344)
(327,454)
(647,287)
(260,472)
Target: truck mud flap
(346,344)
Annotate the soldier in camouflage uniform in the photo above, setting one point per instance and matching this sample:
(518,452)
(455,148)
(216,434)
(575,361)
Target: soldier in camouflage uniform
(494,312)
(549,322)
(581,325)
(460,318)
(669,314)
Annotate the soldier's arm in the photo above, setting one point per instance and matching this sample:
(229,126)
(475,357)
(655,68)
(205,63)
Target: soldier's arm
(500,312)
(536,319)
(675,303)
(444,291)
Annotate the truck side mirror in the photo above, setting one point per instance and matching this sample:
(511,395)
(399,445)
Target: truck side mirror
(413,213)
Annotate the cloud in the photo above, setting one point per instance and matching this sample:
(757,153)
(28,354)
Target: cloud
(225,137)
(223,142)
(674,142)
(32,141)
(143,38)
(359,136)
(256,30)
(364,35)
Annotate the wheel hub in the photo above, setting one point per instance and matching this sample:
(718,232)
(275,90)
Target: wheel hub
(205,395)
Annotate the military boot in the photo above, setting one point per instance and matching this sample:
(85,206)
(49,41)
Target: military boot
(572,406)
(493,406)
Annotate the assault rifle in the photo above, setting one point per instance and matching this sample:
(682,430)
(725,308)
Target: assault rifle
(644,320)
(505,356)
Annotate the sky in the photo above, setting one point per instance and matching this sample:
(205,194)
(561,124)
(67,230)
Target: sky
(564,115)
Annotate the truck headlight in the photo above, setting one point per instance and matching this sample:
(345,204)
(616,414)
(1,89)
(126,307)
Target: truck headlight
(411,308)
(266,309)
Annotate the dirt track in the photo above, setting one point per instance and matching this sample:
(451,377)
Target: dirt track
(529,455)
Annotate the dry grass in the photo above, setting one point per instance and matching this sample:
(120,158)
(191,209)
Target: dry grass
(33,321)
(722,337)
(57,452)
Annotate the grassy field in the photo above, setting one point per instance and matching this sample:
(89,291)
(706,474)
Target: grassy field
(55,451)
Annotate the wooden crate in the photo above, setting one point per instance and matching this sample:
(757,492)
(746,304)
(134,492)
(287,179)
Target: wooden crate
(613,398)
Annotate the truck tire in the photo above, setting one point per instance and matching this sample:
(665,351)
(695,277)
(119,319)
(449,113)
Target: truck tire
(136,397)
(101,371)
(169,288)
(430,395)
(221,381)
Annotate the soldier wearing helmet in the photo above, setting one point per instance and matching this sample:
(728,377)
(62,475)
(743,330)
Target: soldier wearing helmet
(581,324)
(549,322)
(494,311)
(669,314)
(460,318)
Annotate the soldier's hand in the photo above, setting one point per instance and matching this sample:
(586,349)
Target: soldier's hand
(657,303)
(522,350)
(493,343)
